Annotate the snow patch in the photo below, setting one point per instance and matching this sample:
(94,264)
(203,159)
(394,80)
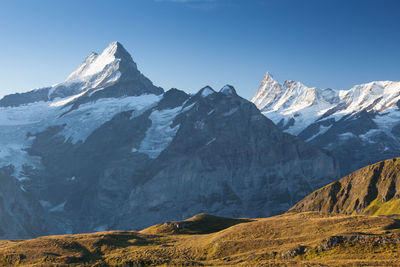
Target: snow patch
(58,208)
(160,134)
(346,136)
(207,91)
(230,112)
(322,130)
(66,101)
(387,120)
(188,107)
(211,141)
(367,137)
(227,90)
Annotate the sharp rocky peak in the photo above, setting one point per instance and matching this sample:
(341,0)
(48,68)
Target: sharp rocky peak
(106,62)
(118,51)
(272,96)
(112,73)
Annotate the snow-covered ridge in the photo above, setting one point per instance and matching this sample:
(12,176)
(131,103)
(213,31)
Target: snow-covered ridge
(19,124)
(95,73)
(294,106)
(95,64)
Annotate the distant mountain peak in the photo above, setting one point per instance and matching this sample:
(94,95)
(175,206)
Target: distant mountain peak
(268,92)
(268,76)
(206,91)
(228,90)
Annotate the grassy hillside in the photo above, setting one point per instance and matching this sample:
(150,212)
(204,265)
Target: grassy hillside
(372,190)
(199,224)
(297,238)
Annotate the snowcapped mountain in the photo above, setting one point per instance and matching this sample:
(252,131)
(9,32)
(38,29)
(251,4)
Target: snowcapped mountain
(359,125)
(106,149)
(112,73)
(292,105)
(96,88)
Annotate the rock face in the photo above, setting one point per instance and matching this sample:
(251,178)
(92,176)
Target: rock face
(113,151)
(226,159)
(21,215)
(359,126)
(372,190)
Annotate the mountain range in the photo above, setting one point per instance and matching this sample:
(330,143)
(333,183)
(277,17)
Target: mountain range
(359,126)
(106,149)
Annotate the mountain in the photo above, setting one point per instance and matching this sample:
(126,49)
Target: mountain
(112,73)
(372,190)
(292,105)
(359,126)
(106,149)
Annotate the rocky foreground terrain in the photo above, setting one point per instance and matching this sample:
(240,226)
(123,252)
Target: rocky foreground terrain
(307,239)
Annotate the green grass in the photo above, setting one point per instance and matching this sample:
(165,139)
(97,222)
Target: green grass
(377,207)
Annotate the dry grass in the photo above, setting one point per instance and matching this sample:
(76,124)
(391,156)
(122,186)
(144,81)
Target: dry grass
(308,239)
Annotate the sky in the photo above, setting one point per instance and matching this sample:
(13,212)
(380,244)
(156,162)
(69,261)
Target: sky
(188,44)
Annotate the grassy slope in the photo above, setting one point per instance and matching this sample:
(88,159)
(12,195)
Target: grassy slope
(372,190)
(294,238)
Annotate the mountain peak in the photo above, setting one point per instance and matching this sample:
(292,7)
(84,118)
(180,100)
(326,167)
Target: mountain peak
(206,91)
(118,51)
(97,64)
(268,76)
(268,91)
(228,90)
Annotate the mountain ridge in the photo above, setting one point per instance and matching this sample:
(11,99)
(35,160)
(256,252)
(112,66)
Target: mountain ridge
(372,190)
(363,120)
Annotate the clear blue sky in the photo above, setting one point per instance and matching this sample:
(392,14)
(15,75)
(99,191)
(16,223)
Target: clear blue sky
(188,44)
